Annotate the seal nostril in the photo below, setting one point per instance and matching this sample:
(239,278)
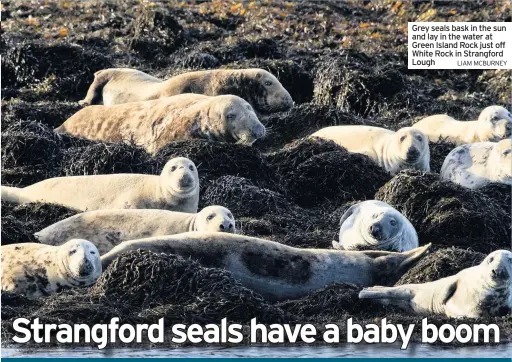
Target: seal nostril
(231,226)
(221,226)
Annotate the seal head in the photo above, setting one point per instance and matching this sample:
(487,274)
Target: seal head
(375,224)
(410,147)
(272,96)
(238,117)
(181,177)
(215,219)
(499,123)
(498,267)
(79,262)
(500,164)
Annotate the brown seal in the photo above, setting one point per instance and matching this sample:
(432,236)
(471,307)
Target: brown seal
(257,86)
(153,124)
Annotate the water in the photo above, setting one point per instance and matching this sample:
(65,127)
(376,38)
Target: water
(347,350)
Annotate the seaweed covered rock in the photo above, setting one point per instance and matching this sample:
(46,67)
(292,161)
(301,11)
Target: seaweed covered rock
(500,193)
(354,84)
(294,77)
(51,114)
(330,304)
(35,64)
(20,222)
(156,33)
(438,152)
(148,280)
(242,197)
(496,82)
(301,121)
(445,213)
(30,143)
(97,158)
(194,59)
(317,172)
(34,152)
(441,263)
(216,159)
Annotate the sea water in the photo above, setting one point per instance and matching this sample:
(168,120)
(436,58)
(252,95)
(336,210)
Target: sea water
(346,350)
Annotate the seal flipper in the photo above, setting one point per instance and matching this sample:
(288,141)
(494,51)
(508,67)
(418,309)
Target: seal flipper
(95,92)
(379,292)
(396,296)
(450,291)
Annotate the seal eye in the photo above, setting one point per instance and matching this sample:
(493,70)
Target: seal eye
(230,117)
(209,217)
(375,216)
(72,251)
(93,252)
(230,216)
(392,222)
(173,168)
(191,168)
(402,138)
(491,259)
(268,83)
(419,138)
(506,153)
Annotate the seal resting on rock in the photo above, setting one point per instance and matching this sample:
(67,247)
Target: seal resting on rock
(375,224)
(107,228)
(393,151)
(37,270)
(493,125)
(153,124)
(484,290)
(176,189)
(476,164)
(257,86)
(278,271)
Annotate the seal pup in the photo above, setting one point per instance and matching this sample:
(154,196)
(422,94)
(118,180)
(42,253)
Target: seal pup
(153,124)
(278,271)
(107,228)
(176,189)
(257,86)
(37,270)
(477,164)
(493,125)
(393,151)
(375,224)
(484,290)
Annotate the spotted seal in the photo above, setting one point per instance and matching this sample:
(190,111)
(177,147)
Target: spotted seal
(476,164)
(375,224)
(278,271)
(484,290)
(37,270)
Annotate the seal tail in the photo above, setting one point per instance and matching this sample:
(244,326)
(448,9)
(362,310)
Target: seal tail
(14,195)
(95,92)
(392,266)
